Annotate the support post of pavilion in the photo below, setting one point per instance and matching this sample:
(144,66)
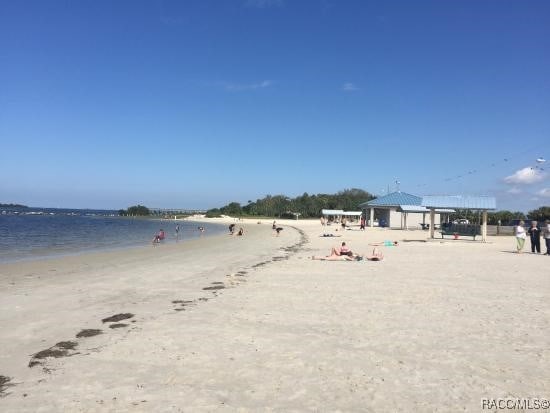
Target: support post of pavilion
(432,222)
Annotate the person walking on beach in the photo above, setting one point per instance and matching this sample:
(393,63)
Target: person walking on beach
(546,235)
(519,232)
(534,233)
(177,232)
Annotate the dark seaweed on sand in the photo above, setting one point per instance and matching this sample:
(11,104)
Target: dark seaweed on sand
(90,332)
(4,384)
(118,325)
(117,317)
(67,345)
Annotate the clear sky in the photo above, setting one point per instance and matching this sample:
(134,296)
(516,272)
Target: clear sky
(106,104)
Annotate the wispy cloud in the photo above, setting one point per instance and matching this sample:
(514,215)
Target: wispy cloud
(545,192)
(237,87)
(514,191)
(349,87)
(527,175)
(262,4)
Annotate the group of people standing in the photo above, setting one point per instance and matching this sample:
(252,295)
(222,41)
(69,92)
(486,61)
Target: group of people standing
(534,233)
(161,235)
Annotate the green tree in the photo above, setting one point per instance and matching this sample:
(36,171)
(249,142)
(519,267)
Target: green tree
(213,213)
(136,210)
(541,214)
(233,209)
(306,205)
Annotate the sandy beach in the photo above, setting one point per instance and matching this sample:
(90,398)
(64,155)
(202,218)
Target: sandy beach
(252,323)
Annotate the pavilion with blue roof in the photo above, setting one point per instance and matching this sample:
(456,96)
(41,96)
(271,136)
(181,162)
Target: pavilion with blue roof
(478,203)
(393,209)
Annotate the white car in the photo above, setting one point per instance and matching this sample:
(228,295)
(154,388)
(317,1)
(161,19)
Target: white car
(461,221)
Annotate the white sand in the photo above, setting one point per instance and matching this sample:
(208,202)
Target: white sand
(434,327)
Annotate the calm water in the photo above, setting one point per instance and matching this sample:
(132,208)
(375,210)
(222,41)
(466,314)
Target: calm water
(53,232)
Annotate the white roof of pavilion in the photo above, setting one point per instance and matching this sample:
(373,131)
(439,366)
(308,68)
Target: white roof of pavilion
(332,211)
(460,202)
(340,212)
(351,213)
(418,208)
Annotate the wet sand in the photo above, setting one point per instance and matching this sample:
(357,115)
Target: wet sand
(253,324)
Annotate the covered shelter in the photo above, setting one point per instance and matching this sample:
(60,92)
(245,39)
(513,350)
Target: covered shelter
(419,209)
(332,212)
(340,213)
(395,209)
(478,203)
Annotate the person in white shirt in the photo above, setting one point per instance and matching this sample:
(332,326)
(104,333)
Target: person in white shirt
(520,236)
(546,235)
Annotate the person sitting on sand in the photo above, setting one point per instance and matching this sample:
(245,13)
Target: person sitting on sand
(334,257)
(231,229)
(343,250)
(241,231)
(376,255)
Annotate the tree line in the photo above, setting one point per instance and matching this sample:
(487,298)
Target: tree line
(310,206)
(304,206)
(502,217)
(136,210)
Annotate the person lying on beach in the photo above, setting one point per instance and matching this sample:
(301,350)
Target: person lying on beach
(341,257)
(386,243)
(376,255)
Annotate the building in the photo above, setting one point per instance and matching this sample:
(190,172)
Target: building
(400,210)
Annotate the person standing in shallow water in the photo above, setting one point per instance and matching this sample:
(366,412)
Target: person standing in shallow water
(534,233)
(519,232)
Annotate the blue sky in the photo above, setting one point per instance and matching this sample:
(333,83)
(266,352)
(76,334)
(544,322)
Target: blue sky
(199,103)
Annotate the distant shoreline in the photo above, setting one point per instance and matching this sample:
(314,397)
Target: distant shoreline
(12,206)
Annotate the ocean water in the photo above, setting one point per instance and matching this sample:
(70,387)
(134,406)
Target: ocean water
(29,234)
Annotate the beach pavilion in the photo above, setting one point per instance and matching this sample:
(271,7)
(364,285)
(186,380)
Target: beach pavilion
(401,210)
(340,213)
(477,203)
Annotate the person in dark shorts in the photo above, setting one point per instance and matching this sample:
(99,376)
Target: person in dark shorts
(534,233)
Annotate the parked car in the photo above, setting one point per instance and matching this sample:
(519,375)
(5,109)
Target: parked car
(461,221)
